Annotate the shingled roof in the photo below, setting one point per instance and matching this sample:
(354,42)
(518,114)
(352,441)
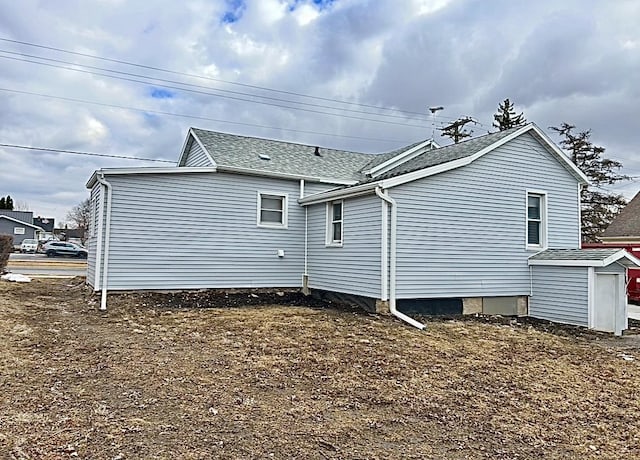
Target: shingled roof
(448,153)
(284,157)
(627,223)
(584,257)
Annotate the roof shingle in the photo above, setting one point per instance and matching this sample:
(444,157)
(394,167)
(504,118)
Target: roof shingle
(627,223)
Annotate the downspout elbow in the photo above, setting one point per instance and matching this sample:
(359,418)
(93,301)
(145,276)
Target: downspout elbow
(383,195)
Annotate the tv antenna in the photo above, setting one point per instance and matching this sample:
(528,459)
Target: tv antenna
(433,111)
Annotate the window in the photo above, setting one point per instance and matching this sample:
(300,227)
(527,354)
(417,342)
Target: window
(536,225)
(18,231)
(334,223)
(272,210)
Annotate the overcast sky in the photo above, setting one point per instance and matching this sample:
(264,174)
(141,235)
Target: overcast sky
(559,61)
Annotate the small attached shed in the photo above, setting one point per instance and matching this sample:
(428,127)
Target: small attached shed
(584,287)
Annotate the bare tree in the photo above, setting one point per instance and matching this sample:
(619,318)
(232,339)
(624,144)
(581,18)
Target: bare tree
(79,216)
(21,205)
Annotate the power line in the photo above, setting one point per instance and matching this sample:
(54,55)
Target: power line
(196,117)
(74,152)
(213,94)
(289,101)
(218,80)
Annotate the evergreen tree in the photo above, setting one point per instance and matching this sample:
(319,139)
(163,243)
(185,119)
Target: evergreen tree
(506,116)
(598,206)
(3,203)
(9,203)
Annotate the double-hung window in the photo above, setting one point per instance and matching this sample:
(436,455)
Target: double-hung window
(536,220)
(335,223)
(272,210)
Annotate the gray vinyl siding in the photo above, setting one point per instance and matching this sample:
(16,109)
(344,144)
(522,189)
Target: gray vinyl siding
(462,233)
(197,156)
(92,240)
(560,294)
(189,231)
(613,268)
(353,268)
(7,228)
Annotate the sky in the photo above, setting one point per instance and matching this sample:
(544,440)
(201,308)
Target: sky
(127,78)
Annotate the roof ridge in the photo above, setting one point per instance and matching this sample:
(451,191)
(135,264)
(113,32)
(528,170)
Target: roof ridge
(266,139)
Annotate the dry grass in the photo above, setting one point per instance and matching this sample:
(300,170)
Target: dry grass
(147,381)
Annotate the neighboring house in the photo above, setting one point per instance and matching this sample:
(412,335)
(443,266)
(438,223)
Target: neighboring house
(625,227)
(18,224)
(47,224)
(422,228)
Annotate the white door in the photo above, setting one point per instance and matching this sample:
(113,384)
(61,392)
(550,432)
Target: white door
(606,303)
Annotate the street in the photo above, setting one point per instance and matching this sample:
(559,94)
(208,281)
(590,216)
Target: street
(41,266)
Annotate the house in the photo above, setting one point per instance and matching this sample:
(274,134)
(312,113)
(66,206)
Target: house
(625,227)
(422,228)
(19,224)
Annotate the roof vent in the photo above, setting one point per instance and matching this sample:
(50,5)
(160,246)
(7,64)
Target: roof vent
(264,156)
(317,152)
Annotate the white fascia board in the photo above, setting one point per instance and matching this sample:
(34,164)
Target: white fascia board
(146,170)
(397,160)
(277,175)
(21,222)
(421,173)
(631,260)
(560,155)
(339,194)
(568,263)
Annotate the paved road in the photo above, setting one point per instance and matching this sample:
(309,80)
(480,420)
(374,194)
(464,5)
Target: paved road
(39,265)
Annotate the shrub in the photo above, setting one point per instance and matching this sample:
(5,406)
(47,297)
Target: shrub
(6,248)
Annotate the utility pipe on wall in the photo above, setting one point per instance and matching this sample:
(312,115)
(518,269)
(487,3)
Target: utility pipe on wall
(105,267)
(393,259)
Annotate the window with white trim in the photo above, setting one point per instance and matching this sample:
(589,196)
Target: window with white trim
(335,227)
(272,210)
(536,220)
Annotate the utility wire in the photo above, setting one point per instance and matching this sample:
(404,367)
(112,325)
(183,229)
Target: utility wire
(196,117)
(43,149)
(213,94)
(130,74)
(174,72)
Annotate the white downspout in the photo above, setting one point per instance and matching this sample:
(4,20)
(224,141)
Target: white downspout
(392,261)
(107,230)
(306,245)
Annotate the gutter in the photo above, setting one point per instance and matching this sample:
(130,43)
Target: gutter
(107,231)
(384,195)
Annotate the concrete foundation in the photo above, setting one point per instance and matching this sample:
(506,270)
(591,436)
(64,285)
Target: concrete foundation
(471,305)
(382,307)
(507,306)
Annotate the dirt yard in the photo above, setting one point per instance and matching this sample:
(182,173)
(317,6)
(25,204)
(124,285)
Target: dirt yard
(149,380)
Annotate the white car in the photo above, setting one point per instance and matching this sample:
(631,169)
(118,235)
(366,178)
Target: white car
(29,245)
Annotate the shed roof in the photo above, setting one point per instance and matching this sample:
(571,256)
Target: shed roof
(600,257)
(627,223)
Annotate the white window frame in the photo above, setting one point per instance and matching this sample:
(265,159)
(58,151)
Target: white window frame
(285,206)
(329,241)
(19,231)
(543,220)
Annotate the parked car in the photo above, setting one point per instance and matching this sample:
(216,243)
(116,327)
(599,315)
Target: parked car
(63,248)
(29,245)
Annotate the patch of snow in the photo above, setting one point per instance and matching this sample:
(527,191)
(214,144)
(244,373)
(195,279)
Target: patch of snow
(17,277)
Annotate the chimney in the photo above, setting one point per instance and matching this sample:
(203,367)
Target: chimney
(317,152)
